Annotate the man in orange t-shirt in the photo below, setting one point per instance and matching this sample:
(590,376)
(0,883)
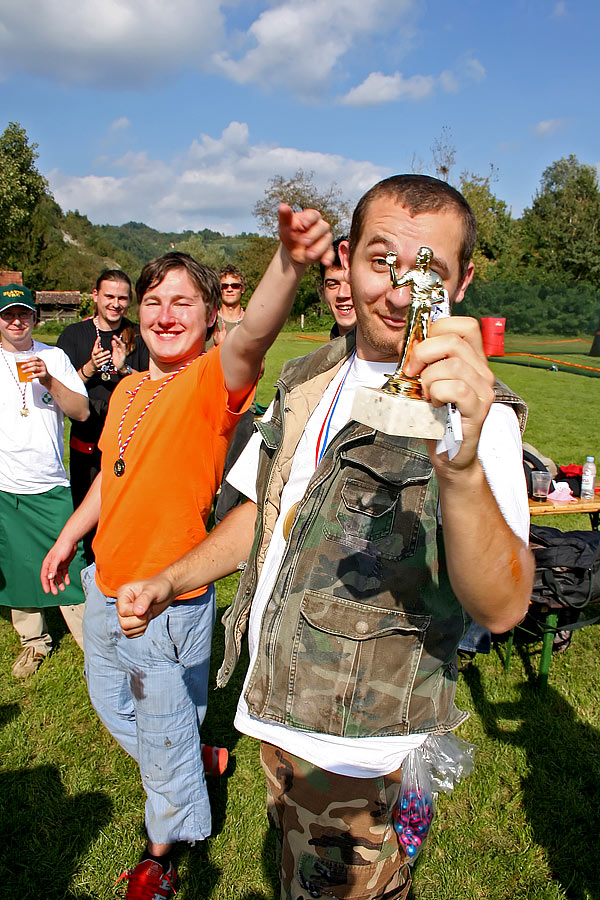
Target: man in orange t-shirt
(163,449)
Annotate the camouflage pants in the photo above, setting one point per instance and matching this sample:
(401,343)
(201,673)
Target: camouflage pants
(336,836)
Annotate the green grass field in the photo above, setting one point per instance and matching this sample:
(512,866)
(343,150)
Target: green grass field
(525,825)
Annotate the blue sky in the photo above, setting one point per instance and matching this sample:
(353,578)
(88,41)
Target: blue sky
(177,114)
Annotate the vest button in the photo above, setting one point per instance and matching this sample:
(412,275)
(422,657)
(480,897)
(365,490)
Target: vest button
(361,627)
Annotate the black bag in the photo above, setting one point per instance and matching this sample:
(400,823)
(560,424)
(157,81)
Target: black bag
(567,567)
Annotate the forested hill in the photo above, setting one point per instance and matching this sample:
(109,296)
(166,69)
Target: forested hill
(66,252)
(143,243)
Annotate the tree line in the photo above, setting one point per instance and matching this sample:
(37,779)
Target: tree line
(541,270)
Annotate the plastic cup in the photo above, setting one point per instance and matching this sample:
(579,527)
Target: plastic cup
(21,357)
(540,483)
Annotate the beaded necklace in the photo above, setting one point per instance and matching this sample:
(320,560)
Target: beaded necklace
(237,321)
(119,466)
(23,411)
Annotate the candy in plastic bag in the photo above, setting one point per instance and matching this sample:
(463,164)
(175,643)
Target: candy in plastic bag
(413,813)
(437,765)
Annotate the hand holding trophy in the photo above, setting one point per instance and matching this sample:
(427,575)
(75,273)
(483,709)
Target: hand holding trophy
(398,407)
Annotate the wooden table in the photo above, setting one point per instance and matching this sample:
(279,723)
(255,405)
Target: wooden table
(558,507)
(553,508)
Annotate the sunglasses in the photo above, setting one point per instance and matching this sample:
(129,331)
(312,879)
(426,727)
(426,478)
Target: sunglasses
(234,285)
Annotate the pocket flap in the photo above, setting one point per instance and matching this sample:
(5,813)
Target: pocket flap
(270,432)
(368,499)
(396,465)
(358,623)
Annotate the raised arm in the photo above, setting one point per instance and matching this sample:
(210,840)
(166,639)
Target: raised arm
(55,567)
(305,238)
(490,568)
(218,555)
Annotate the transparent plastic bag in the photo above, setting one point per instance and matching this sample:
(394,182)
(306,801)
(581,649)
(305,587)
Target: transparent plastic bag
(437,765)
(413,813)
(449,760)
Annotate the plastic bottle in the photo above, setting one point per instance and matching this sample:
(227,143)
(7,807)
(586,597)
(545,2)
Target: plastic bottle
(588,479)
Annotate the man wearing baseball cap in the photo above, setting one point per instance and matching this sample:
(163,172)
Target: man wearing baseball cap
(35,500)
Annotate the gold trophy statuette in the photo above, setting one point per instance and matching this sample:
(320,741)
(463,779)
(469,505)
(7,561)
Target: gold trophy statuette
(398,407)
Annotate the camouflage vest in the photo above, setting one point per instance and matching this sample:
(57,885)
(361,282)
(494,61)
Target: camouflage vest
(360,633)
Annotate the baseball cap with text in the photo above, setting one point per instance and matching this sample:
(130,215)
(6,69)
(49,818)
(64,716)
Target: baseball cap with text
(16,295)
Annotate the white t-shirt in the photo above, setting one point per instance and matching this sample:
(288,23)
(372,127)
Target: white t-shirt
(501,457)
(31,447)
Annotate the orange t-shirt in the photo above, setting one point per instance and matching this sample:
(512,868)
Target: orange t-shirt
(157,510)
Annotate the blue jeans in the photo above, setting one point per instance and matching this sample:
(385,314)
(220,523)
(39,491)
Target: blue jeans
(476,639)
(150,692)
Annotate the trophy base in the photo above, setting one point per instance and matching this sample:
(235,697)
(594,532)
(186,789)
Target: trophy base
(398,415)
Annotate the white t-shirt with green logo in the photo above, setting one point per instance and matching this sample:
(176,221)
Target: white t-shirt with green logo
(31,447)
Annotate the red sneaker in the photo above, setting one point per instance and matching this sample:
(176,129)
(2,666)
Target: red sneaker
(215,759)
(149,881)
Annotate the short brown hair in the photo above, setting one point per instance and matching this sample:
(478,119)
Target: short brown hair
(204,278)
(232,270)
(420,194)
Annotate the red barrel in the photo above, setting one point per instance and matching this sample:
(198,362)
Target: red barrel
(492,332)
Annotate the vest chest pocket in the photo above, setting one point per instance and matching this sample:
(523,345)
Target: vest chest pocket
(381,518)
(366,511)
(352,667)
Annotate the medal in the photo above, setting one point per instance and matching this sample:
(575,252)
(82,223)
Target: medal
(105,376)
(289,518)
(24,411)
(119,467)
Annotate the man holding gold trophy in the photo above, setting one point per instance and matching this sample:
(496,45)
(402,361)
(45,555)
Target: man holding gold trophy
(372,546)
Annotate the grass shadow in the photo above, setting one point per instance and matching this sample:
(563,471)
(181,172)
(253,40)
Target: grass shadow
(44,833)
(8,712)
(560,788)
(201,875)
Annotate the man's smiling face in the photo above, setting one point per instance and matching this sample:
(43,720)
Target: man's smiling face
(173,322)
(16,326)
(381,310)
(112,302)
(338,297)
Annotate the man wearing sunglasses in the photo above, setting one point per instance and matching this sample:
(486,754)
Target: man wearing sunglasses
(35,500)
(233,286)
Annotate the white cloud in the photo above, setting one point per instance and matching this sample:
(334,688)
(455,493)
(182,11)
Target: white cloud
(549,127)
(110,43)
(132,43)
(119,124)
(214,184)
(473,69)
(378,88)
(299,45)
(449,82)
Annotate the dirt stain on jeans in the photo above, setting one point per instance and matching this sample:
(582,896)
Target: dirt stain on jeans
(136,684)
